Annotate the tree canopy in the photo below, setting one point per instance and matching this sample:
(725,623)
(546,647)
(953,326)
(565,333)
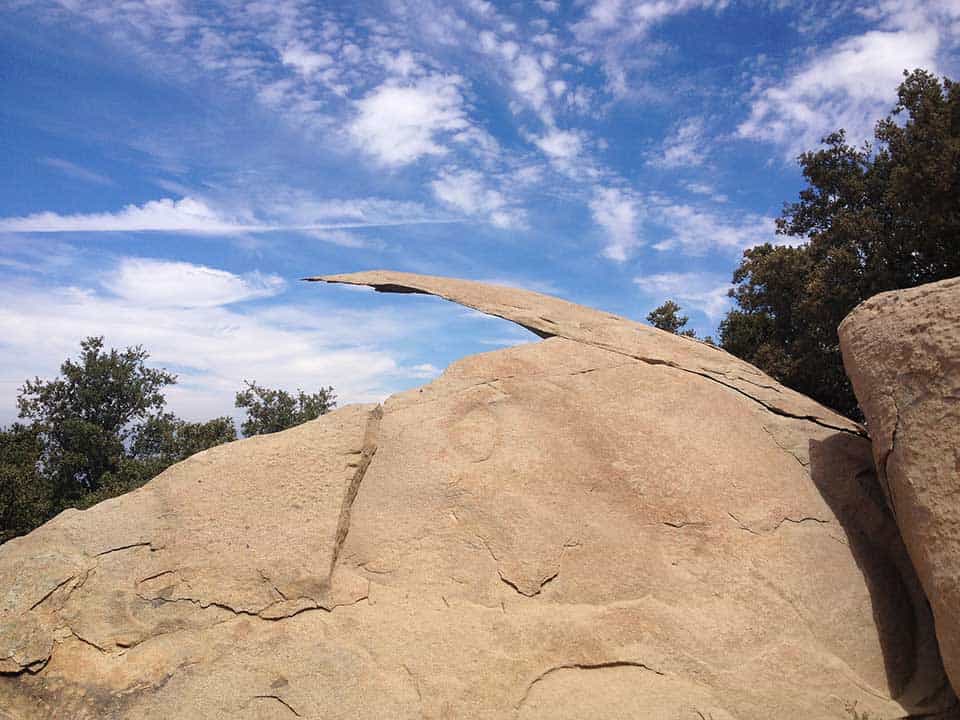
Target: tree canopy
(101,429)
(880,217)
(88,417)
(667,317)
(270,411)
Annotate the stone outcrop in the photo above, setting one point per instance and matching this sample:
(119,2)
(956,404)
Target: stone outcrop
(902,352)
(614,522)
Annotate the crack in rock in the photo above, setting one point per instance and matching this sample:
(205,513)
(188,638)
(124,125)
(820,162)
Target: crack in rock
(85,641)
(371,435)
(742,525)
(798,521)
(883,465)
(125,547)
(262,613)
(39,602)
(583,666)
(536,592)
(803,463)
(280,700)
(542,583)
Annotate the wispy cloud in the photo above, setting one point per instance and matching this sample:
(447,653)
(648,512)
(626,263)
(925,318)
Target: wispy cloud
(704,292)
(469,192)
(617,213)
(695,230)
(851,84)
(702,188)
(191,216)
(76,171)
(614,31)
(686,147)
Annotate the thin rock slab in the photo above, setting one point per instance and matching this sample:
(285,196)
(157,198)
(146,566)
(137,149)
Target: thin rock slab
(562,529)
(902,352)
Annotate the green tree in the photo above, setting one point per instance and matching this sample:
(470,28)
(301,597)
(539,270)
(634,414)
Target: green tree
(26,498)
(165,439)
(271,410)
(96,431)
(871,219)
(89,415)
(667,317)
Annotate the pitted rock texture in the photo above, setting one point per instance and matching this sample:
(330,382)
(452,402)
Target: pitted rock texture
(902,352)
(613,522)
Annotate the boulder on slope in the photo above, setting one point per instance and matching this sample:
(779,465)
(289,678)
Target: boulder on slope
(902,352)
(614,522)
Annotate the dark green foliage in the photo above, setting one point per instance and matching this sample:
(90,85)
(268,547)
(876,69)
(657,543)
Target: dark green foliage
(667,317)
(89,415)
(271,410)
(96,431)
(871,219)
(166,439)
(26,497)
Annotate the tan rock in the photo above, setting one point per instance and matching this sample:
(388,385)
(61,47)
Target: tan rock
(902,352)
(614,522)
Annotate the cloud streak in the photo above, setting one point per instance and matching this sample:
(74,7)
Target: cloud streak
(188,215)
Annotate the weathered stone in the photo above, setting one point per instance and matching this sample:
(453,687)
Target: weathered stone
(902,352)
(614,522)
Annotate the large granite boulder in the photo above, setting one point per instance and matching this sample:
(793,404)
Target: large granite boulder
(614,522)
(902,352)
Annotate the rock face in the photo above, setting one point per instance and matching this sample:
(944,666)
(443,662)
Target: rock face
(614,522)
(902,352)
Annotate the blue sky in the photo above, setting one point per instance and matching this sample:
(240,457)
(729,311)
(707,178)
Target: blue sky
(169,169)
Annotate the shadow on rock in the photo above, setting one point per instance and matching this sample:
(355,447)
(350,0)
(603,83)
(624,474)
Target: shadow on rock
(843,471)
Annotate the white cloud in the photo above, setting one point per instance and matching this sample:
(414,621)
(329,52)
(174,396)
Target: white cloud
(161,283)
(529,81)
(560,145)
(702,188)
(850,86)
(424,371)
(397,124)
(184,215)
(467,191)
(685,148)
(637,16)
(305,61)
(198,217)
(615,31)
(695,231)
(338,237)
(705,292)
(617,214)
(401,63)
(527,71)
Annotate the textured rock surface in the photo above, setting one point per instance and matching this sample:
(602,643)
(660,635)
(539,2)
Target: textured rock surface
(614,522)
(902,352)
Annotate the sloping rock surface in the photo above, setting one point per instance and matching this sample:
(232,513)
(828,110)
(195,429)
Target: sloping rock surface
(613,522)
(902,352)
